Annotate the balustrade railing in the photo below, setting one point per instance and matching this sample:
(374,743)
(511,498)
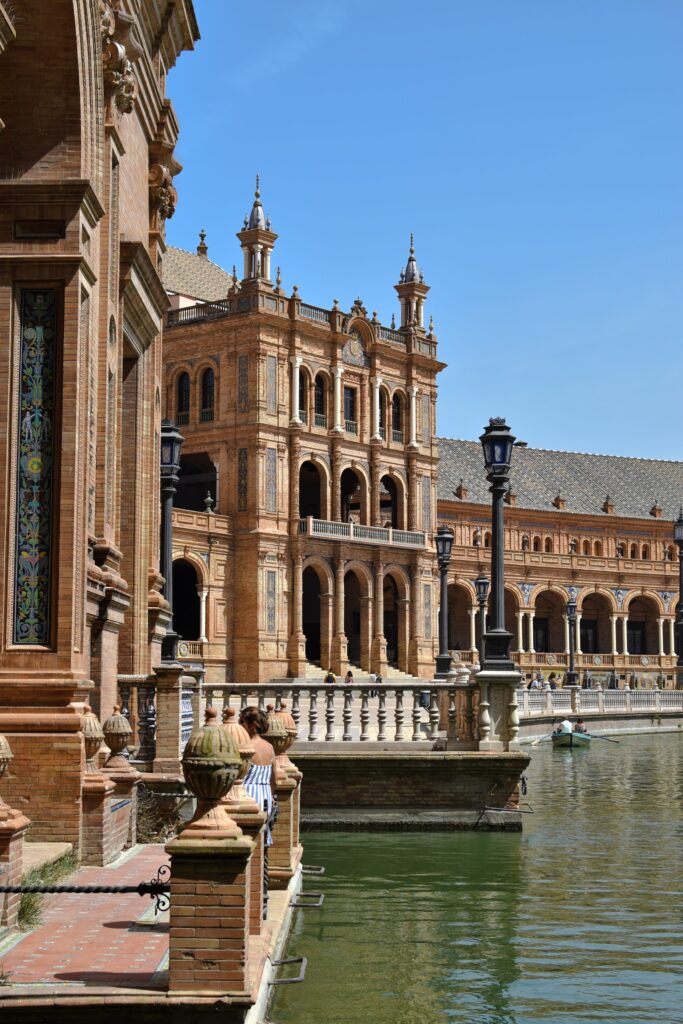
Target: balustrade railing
(576,700)
(320,419)
(138,705)
(389,334)
(322,316)
(364,534)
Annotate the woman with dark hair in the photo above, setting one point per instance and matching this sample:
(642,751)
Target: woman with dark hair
(259,781)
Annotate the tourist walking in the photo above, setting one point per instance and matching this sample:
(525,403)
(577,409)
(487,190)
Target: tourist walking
(330,678)
(372,679)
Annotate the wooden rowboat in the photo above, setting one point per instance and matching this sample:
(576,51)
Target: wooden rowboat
(571,739)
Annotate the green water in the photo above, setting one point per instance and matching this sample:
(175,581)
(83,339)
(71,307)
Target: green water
(578,918)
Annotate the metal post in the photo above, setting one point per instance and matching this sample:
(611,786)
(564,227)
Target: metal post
(171,442)
(571,674)
(444,545)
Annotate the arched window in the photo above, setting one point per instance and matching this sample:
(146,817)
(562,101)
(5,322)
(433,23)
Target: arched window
(537,544)
(208,387)
(669,553)
(183,399)
(597,548)
(525,542)
(645,553)
(586,548)
(548,545)
(634,550)
(487,540)
(397,419)
(320,404)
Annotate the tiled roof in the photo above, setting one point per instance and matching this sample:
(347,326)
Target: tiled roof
(187,273)
(584,481)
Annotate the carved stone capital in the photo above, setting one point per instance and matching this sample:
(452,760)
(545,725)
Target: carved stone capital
(119,77)
(162,194)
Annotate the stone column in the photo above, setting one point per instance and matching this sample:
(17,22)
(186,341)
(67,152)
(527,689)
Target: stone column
(578,633)
(375,381)
(297,640)
(416,621)
(613,625)
(565,620)
(296,367)
(339,655)
(335,511)
(338,426)
(366,632)
(412,391)
(203,593)
(412,490)
(624,634)
(672,636)
(294,459)
(531,615)
(520,631)
(375,471)
(473,629)
(660,634)
(378,661)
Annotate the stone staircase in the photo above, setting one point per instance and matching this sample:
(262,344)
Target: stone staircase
(314,673)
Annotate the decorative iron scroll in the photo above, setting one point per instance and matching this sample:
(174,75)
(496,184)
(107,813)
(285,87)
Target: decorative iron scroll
(35,461)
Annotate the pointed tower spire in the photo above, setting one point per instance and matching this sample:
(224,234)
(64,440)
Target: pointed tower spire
(412,291)
(202,248)
(257,241)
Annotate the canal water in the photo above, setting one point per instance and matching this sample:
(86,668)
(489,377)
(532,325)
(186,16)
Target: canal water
(578,918)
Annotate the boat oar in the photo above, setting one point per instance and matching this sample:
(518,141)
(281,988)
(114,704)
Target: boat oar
(608,738)
(546,737)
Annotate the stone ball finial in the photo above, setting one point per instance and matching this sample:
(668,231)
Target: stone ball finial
(276,733)
(117,732)
(211,760)
(92,736)
(241,737)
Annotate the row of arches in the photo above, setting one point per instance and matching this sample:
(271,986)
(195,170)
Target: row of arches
(589,548)
(316,394)
(354,496)
(206,382)
(636,628)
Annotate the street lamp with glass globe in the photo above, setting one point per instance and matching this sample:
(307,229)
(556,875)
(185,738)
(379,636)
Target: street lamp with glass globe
(171,442)
(571,619)
(481,586)
(497,441)
(678,538)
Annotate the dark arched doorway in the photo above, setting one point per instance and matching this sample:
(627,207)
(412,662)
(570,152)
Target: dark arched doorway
(391,620)
(351,497)
(459,605)
(596,635)
(310,614)
(388,503)
(185,600)
(352,617)
(549,623)
(309,491)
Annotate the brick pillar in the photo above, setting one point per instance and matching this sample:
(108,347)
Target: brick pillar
(378,662)
(339,652)
(13,826)
(375,471)
(283,858)
(412,491)
(209,916)
(169,717)
(249,817)
(297,640)
(335,511)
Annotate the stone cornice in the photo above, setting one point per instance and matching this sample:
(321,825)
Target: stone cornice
(52,192)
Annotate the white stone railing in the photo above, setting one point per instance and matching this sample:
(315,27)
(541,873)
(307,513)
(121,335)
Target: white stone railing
(395,713)
(575,700)
(362,534)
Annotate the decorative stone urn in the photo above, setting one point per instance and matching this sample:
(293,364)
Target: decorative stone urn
(292,732)
(238,794)
(278,738)
(93,737)
(211,762)
(117,732)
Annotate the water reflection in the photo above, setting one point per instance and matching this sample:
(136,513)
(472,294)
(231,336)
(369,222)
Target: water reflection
(578,919)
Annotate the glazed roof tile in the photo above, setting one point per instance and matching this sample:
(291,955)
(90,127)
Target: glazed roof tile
(188,273)
(583,480)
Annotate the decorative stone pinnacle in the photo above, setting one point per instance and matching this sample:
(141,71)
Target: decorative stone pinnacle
(202,248)
(257,193)
(412,247)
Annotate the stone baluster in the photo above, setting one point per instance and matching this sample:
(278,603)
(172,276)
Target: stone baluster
(364,715)
(329,714)
(261,701)
(296,709)
(147,722)
(513,717)
(417,714)
(382,716)
(124,693)
(346,714)
(244,701)
(452,713)
(433,716)
(398,715)
(313,716)
(484,716)
(278,700)
(469,714)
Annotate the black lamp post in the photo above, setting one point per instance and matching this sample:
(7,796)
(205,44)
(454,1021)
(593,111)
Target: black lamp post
(678,537)
(481,586)
(571,619)
(444,546)
(497,441)
(171,441)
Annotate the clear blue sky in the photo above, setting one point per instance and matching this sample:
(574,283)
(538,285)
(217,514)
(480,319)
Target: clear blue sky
(535,149)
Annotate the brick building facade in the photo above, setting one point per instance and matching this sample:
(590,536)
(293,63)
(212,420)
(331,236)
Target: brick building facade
(310,439)
(86,183)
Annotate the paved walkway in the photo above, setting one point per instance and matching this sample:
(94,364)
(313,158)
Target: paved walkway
(95,939)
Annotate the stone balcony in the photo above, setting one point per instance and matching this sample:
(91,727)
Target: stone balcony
(324,529)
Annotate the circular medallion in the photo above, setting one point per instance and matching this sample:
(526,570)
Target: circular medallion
(644,661)
(183,649)
(597,660)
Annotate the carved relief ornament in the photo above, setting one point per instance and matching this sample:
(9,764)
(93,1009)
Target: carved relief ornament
(119,51)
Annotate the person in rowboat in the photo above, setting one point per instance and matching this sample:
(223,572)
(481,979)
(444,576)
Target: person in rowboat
(580,727)
(565,726)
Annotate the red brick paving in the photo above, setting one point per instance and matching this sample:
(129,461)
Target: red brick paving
(93,939)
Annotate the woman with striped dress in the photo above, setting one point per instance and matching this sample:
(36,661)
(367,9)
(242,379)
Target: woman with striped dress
(259,781)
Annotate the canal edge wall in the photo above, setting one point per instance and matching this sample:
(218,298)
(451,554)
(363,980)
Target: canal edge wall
(604,723)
